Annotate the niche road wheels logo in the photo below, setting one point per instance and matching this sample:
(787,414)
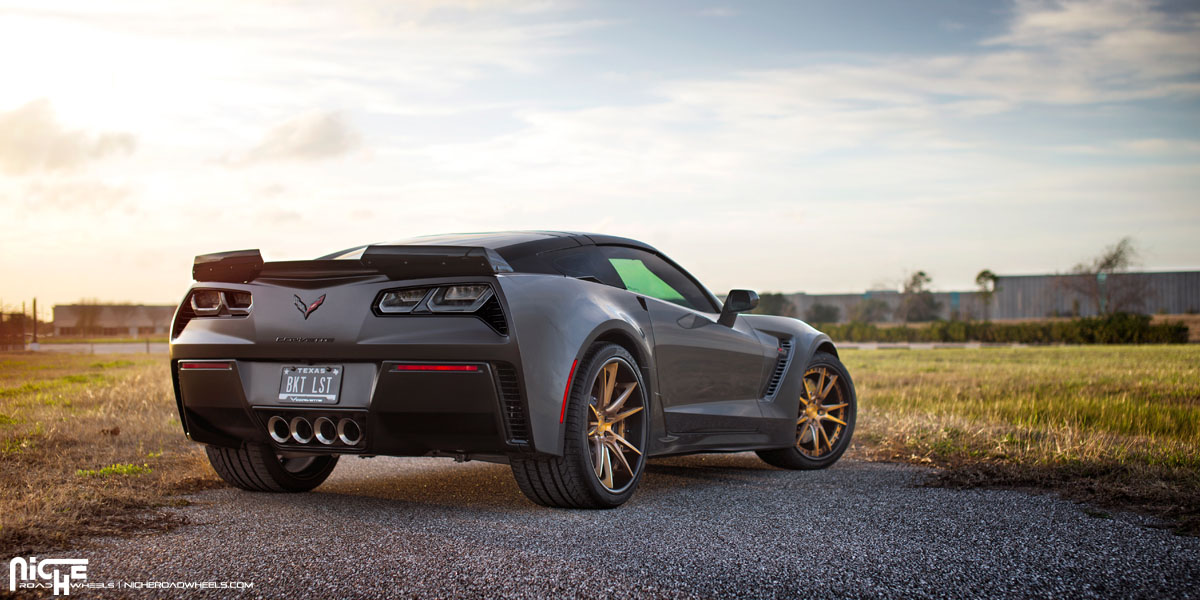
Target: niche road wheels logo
(54,573)
(306,308)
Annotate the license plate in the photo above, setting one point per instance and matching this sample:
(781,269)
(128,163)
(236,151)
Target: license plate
(311,384)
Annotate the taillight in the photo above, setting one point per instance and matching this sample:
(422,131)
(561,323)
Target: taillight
(215,303)
(401,301)
(206,303)
(459,298)
(466,299)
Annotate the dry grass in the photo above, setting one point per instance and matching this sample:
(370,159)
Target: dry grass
(1118,426)
(87,444)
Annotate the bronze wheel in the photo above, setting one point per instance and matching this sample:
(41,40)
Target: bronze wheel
(823,407)
(605,432)
(826,408)
(615,409)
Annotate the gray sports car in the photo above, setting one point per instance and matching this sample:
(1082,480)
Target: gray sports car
(571,357)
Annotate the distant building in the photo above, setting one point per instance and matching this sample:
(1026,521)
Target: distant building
(118,320)
(1038,296)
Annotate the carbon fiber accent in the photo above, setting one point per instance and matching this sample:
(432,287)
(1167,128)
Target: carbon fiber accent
(516,421)
(785,345)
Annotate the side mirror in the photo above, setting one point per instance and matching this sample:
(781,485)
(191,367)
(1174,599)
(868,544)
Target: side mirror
(737,301)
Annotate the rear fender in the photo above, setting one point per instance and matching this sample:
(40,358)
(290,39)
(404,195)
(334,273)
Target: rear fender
(555,320)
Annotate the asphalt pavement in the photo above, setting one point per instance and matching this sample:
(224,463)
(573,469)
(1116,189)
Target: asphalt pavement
(711,526)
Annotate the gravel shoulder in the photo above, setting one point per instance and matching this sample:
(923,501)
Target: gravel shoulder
(709,526)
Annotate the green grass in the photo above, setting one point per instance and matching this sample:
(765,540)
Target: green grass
(1111,424)
(118,469)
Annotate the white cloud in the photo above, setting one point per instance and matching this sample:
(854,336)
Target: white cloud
(33,141)
(313,136)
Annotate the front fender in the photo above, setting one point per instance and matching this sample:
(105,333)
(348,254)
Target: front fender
(806,341)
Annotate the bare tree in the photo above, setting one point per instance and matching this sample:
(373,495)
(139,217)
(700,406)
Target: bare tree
(1105,282)
(916,301)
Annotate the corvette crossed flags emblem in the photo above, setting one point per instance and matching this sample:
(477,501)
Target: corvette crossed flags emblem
(308,309)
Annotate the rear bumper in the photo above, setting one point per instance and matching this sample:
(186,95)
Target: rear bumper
(400,412)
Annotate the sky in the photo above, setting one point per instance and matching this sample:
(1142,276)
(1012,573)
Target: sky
(777,146)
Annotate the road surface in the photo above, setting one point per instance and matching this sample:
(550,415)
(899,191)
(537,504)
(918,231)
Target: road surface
(713,526)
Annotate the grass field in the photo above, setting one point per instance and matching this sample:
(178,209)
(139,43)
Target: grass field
(89,443)
(1118,426)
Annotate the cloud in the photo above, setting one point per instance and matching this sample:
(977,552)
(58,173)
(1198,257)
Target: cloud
(718,11)
(33,141)
(76,196)
(313,136)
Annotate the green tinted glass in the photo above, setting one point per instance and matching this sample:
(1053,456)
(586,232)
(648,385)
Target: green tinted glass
(639,279)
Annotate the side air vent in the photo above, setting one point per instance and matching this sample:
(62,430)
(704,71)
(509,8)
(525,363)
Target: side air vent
(515,418)
(785,355)
(493,315)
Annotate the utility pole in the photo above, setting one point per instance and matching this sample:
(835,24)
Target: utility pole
(34,345)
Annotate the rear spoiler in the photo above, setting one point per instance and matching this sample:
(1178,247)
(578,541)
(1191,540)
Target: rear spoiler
(396,262)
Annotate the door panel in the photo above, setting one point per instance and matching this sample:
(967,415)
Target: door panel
(709,375)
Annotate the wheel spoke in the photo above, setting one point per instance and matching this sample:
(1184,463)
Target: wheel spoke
(828,444)
(625,415)
(828,388)
(608,469)
(834,419)
(598,459)
(625,442)
(625,394)
(812,427)
(610,382)
(621,457)
(821,385)
(828,408)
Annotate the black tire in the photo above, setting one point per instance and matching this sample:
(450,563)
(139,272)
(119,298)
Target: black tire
(570,481)
(792,457)
(257,468)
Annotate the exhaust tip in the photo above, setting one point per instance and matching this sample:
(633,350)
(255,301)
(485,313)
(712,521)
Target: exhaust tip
(325,431)
(349,432)
(301,430)
(278,428)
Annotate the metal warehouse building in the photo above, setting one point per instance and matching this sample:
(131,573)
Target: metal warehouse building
(1038,296)
(124,320)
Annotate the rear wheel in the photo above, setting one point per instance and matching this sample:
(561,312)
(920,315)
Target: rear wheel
(258,468)
(825,419)
(606,432)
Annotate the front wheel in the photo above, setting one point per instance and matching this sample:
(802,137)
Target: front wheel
(258,468)
(606,427)
(825,419)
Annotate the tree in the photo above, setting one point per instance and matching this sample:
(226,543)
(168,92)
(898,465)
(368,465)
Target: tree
(986,280)
(1105,282)
(775,304)
(916,301)
(869,310)
(822,313)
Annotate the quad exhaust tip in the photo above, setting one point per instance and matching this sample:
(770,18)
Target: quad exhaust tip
(325,431)
(349,432)
(279,430)
(302,430)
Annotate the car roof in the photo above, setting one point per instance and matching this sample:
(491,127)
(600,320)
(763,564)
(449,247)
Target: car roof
(512,245)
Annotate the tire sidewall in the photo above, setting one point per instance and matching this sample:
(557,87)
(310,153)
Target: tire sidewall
(576,448)
(305,480)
